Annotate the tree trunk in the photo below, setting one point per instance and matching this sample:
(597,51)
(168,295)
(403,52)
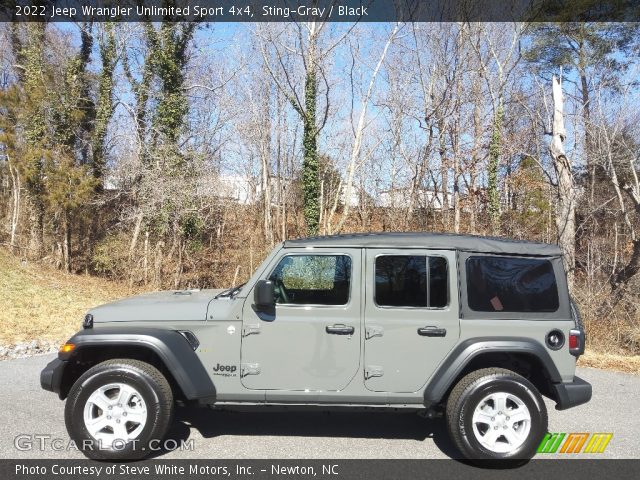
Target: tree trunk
(565,216)
(477,145)
(281,217)
(103,115)
(586,117)
(444,174)
(456,191)
(322,221)
(37,228)
(66,242)
(145,263)
(265,157)
(310,167)
(15,211)
(358,137)
(493,192)
(136,233)
(266,188)
(157,270)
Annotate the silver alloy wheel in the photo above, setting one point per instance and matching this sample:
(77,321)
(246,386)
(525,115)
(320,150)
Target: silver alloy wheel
(501,422)
(115,413)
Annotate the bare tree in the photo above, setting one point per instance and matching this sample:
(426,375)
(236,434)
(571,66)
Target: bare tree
(303,88)
(565,218)
(358,133)
(615,143)
(499,54)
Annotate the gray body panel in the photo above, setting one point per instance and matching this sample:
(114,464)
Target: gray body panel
(292,348)
(157,307)
(405,359)
(288,358)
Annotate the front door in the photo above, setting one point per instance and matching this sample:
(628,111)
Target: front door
(411,317)
(312,341)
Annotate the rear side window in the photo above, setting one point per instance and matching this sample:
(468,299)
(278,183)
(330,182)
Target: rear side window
(511,284)
(411,281)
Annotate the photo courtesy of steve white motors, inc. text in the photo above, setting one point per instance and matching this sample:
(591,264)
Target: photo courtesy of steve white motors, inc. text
(169,470)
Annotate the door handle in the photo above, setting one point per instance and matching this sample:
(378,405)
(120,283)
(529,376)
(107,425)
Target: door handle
(340,329)
(432,332)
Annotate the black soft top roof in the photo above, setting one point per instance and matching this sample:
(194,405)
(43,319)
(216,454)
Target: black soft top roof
(444,241)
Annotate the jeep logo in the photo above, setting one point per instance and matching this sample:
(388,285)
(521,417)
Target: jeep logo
(225,368)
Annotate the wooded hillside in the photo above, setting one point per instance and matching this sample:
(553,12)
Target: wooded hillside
(176,155)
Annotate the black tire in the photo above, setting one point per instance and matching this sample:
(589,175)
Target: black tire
(467,395)
(152,386)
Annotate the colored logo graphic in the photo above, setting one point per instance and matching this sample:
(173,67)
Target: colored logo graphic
(574,442)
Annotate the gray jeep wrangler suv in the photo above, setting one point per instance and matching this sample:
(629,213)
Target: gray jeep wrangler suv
(475,328)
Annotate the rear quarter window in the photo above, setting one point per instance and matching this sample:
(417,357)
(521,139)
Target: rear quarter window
(511,284)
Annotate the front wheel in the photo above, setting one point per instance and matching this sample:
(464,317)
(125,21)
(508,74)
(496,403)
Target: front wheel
(496,414)
(117,409)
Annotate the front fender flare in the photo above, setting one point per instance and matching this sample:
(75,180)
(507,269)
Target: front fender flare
(466,351)
(170,346)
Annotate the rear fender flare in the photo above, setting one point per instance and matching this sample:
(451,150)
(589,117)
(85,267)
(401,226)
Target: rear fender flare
(455,363)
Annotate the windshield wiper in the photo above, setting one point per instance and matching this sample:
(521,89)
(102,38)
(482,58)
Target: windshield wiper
(236,290)
(230,292)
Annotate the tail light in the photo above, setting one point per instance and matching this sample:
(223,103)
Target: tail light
(576,342)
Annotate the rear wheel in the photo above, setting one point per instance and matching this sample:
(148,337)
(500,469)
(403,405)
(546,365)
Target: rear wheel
(117,408)
(496,414)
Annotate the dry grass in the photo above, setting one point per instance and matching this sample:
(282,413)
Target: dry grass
(610,361)
(611,329)
(37,302)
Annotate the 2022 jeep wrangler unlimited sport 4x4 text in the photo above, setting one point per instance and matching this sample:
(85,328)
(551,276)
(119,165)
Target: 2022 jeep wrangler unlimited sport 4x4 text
(477,328)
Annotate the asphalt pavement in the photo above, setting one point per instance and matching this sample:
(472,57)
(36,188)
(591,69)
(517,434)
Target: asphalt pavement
(31,418)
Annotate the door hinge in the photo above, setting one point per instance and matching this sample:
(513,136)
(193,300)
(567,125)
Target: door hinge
(373,371)
(250,329)
(250,369)
(373,331)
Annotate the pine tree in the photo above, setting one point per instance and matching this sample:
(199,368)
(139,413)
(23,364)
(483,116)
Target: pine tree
(584,48)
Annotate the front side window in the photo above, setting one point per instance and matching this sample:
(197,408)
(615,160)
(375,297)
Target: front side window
(511,284)
(411,281)
(313,280)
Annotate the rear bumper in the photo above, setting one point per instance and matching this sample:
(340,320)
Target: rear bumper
(572,394)
(51,376)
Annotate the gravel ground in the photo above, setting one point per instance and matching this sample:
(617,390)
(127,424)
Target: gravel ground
(28,349)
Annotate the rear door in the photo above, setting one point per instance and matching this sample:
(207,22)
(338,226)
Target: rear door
(411,316)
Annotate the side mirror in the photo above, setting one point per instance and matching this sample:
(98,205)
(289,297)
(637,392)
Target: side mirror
(264,295)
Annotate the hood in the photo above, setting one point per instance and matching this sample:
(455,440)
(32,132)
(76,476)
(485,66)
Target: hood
(157,306)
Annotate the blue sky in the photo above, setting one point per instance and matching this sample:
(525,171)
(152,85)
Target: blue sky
(228,44)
